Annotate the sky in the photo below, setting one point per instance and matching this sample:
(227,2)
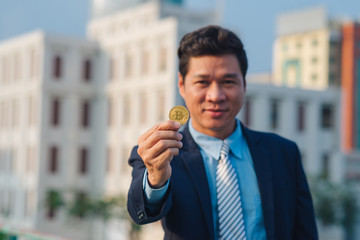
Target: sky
(253,20)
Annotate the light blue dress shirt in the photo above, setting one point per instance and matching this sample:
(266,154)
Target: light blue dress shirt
(242,161)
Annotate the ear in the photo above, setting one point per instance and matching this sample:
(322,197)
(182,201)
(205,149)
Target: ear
(181,85)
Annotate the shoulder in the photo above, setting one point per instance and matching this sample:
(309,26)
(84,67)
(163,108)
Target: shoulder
(271,140)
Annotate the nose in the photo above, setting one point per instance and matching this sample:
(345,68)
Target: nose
(215,93)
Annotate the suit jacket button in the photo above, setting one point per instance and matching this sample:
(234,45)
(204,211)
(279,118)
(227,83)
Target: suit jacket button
(140,214)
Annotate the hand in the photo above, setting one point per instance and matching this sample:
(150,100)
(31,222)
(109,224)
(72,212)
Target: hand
(157,147)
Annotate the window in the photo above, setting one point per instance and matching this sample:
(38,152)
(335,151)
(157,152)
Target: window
(87,70)
(143,108)
(57,67)
(55,112)
(128,65)
(314,60)
(162,59)
(83,161)
(85,114)
(53,160)
(32,111)
(315,42)
(113,68)
(161,106)
(314,77)
(30,159)
(33,63)
(274,114)
(327,116)
(301,116)
(247,112)
(145,62)
(15,113)
(126,110)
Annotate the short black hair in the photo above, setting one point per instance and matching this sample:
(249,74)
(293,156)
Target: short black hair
(211,40)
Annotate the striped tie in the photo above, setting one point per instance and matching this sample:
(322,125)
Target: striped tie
(231,222)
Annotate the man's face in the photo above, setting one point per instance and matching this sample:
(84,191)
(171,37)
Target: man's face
(214,91)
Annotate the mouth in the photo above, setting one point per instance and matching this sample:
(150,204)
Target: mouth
(215,112)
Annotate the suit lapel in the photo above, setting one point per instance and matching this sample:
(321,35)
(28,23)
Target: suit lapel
(193,161)
(263,172)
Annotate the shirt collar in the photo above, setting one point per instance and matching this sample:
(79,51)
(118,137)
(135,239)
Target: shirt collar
(212,145)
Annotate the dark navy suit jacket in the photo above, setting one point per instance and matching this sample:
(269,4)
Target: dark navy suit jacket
(186,213)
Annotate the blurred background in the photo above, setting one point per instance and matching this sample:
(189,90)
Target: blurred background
(81,80)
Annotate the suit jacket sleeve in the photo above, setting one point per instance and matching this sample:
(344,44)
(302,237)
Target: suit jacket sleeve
(305,226)
(136,202)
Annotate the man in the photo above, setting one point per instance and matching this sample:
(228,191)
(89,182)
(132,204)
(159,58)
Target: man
(218,179)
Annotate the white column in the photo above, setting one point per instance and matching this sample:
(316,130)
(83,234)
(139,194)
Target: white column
(288,117)
(313,156)
(99,143)
(260,112)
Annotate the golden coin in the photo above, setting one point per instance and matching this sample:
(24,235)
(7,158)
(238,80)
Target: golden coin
(179,114)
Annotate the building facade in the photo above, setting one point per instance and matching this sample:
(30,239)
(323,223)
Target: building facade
(307,50)
(47,95)
(72,109)
(350,76)
(308,117)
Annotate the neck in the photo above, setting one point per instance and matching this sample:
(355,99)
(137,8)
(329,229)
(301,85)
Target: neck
(222,133)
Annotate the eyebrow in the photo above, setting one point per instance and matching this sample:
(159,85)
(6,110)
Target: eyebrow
(227,75)
(201,76)
(230,75)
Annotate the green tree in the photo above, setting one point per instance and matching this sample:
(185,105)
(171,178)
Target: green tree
(335,204)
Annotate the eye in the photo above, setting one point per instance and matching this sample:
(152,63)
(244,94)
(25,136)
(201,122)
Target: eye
(201,82)
(229,81)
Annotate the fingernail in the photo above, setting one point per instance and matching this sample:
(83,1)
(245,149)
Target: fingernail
(177,124)
(180,144)
(179,136)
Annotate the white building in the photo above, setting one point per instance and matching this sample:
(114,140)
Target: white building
(309,117)
(72,109)
(307,50)
(48,90)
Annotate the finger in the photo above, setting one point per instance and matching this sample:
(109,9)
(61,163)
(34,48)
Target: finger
(166,145)
(167,125)
(161,135)
(153,151)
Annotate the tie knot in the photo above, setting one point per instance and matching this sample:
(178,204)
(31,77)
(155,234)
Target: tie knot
(224,152)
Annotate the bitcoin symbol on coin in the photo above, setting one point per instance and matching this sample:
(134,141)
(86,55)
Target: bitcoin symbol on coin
(179,114)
